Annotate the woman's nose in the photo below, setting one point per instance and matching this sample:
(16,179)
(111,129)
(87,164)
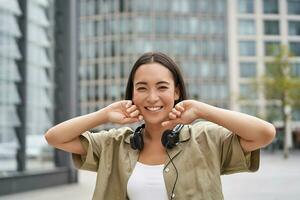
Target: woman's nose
(152,97)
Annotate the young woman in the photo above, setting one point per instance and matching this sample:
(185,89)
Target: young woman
(185,163)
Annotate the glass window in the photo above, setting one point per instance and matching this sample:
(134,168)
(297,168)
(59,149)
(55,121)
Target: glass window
(161,25)
(271,27)
(82,5)
(246,27)
(100,27)
(143,24)
(293,7)
(294,27)
(247,70)
(271,7)
(193,25)
(295,71)
(221,69)
(247,91)
(138,5)
(179,6)
(37,14)
(274,113)
(125,25)
(211,91)
(246,6)
(272,48)
(247,48)
(114,26)
(9,78)
(204,68)
(296,114)
(249,109)
(295,48)
(161,6)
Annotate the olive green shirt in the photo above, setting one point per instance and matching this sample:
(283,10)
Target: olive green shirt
(206,151)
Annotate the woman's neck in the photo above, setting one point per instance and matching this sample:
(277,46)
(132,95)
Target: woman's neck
(153,132)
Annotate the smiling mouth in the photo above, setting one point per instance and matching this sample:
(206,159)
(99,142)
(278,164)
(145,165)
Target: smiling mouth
(153,108)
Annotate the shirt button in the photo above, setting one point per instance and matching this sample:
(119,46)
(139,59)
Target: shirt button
(167,169)
(173,195)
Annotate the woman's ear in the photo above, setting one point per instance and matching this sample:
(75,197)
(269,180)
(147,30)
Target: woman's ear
(177,94)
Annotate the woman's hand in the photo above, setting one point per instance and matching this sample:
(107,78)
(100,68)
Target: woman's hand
(123,112)
(184,112)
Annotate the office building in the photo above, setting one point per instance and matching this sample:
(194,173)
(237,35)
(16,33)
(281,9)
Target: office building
(255,28)
(113,34)
(36,80)
(220,45)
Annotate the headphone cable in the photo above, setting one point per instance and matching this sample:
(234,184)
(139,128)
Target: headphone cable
(171,159)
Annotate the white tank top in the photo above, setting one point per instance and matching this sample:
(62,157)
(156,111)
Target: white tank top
(147,183)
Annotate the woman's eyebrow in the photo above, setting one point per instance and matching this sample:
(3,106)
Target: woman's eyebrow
(141,83)
(162,82)
(145,83)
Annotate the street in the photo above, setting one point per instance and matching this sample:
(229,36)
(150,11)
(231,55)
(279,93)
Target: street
(277,179)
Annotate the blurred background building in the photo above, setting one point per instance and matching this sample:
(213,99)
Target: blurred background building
(256,30)
(36,42)
(59,59)
(221,46)
(113,34)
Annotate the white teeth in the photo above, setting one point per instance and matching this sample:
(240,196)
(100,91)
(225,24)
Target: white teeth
(153,108)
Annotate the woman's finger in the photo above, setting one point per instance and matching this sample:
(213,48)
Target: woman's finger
(135,113)
(176,112)
(165,123)
(172,116)
(130,120)
(140,117)
(128,104)
(179,107)
(131,109)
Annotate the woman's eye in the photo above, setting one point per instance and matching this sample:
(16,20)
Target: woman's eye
(163,87)
(141,88)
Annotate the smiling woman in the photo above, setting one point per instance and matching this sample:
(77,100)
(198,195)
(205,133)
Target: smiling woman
(146,163)
(154,92)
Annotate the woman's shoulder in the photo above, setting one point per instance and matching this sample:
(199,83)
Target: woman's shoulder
(117,133)
(207,128)
(120,133)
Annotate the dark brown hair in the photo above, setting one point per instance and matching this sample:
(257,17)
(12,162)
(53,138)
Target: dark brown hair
(166,61)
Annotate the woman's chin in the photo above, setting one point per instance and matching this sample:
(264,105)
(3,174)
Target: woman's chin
(153,121)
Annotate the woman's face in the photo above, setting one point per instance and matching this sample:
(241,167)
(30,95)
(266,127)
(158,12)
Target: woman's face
(154,92)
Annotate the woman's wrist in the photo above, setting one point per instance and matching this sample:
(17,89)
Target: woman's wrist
(102,116)
(204,110)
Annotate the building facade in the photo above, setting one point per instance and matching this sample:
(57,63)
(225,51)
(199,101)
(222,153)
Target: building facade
(35,79)
(256,27)
(113,34)
(221,46)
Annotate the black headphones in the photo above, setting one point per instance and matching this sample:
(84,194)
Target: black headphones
(169,139)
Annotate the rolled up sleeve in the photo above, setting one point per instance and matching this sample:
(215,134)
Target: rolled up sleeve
(90,161)
(233,158)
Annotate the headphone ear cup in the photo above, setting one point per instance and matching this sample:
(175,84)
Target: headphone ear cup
(165,139)
(137,141)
